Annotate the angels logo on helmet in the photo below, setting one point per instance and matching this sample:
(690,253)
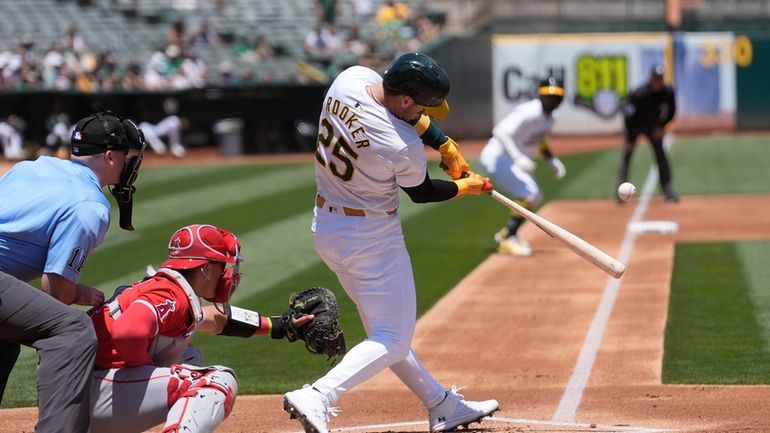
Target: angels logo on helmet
(198,244)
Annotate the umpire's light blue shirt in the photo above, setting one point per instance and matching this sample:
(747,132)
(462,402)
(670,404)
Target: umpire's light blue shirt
(52,215)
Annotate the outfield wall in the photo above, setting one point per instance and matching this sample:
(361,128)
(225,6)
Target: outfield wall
(719,78)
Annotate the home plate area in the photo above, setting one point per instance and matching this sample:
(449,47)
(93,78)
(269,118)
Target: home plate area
(505,424)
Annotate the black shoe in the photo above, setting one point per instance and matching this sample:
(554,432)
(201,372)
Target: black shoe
(671,196)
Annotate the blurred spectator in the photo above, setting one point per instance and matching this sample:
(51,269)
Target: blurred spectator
(203,36)
(362,8)
(106,71)
(425,30)
(246,76)
(73,42)
(322,41)
(326,11)
(11,137)
(393,11)
(184,5)
(175,34)
(155,71)
(170,127)
(227,76)
(355,44)
(263,50)
(256,52)
(133,79)
(195,71)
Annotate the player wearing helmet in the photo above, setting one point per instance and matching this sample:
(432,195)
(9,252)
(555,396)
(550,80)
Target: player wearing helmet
(516,140)
(370,145)
(144,333)
(52,215)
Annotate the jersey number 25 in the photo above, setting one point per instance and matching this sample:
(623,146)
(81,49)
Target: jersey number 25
(341,150)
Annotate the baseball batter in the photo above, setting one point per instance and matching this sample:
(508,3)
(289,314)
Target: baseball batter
(144,332)
(52,215)
(508,156)
(369,146)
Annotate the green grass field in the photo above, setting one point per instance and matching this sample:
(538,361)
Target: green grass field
(270,206)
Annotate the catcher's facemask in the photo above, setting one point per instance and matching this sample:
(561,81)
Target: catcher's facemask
(197,244)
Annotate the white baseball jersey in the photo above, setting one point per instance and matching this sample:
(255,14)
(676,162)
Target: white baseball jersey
(364,152)
(527,125)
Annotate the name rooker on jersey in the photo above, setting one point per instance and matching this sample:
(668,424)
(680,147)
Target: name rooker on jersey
(347,115)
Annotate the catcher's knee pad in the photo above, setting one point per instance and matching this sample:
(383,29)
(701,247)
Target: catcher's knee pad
(203,397)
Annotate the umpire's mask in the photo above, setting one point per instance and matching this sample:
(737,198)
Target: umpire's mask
(104,131)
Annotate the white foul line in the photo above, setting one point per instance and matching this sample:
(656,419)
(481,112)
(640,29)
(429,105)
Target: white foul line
(570,400)
(505,420)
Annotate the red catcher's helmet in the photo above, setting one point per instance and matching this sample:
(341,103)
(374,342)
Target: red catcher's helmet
(197,244)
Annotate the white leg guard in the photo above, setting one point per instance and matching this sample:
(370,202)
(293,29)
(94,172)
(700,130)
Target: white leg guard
(206,403)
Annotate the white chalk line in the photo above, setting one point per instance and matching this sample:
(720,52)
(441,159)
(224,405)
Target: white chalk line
(506,420)
(573,394)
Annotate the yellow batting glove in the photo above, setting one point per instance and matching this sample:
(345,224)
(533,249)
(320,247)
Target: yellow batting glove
(453,162)
(473,185)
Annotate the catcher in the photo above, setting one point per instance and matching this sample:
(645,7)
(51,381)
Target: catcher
(144,333)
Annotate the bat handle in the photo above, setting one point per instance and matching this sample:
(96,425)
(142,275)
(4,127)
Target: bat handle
(488,187)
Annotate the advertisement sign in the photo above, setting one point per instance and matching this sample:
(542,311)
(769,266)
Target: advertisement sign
(600,70)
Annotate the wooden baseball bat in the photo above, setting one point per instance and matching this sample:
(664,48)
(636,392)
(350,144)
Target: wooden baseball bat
(580,247)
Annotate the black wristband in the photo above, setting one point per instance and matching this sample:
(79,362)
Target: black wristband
(278,328)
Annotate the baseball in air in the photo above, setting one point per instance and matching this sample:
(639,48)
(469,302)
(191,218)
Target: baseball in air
(626,190)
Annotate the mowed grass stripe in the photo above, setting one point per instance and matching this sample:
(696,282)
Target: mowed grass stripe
(713,335)
(272,251)
(178,175)
(724,165)
(754,257)
(152,247)
(230,190)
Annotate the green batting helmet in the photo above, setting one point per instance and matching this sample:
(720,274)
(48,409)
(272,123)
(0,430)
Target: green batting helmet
(420,77)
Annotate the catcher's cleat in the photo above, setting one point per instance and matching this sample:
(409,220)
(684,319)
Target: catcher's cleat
(309,407)
(502,235)
(455,411)
(515,246)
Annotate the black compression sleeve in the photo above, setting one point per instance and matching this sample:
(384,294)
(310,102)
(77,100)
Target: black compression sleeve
(431,190)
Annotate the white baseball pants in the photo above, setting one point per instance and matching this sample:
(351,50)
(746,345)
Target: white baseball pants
(370,259)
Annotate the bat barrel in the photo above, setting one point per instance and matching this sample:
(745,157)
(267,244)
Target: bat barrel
(580,247)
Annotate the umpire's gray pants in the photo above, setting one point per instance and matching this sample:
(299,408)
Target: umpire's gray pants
(66,345)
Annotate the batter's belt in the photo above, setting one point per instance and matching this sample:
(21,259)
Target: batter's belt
(322,204)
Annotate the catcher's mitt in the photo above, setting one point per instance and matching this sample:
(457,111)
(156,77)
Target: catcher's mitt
(323,335)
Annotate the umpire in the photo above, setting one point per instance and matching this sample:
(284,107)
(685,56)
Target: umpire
(52,215)
(649,109)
